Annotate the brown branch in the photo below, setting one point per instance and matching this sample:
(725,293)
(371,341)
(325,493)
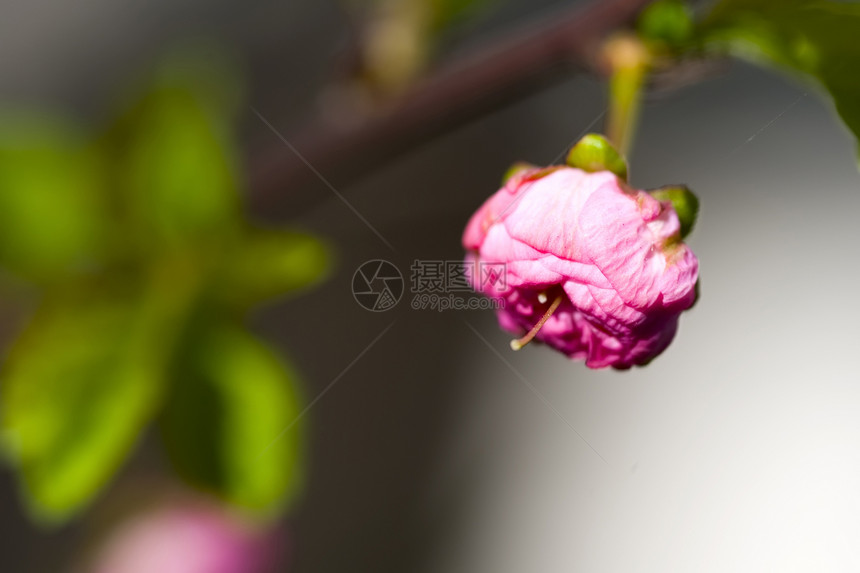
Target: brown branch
(479,83)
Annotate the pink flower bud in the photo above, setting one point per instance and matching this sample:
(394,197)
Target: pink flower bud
(600,263)
(191,538)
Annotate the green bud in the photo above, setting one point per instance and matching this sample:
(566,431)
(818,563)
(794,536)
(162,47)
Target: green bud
(594,153)
(669,22)
(686,204)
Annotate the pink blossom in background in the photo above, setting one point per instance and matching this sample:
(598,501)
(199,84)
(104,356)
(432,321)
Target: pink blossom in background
(185,539)
(608,256)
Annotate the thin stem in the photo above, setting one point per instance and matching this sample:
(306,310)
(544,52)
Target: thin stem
(629,62)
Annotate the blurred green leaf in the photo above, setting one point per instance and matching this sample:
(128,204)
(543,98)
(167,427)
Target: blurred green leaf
(152,207)
(271,263)
(817,38)
(78,387)
(52,197)
(230,425)
(177,166)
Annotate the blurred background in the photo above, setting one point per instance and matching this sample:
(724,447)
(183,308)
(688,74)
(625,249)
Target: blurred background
(737,449)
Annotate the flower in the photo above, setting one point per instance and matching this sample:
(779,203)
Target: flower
(186,538)
(592,267)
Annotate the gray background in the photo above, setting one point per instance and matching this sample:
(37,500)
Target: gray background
(738,449)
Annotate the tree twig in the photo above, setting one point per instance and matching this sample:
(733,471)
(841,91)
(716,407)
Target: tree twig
(475,84)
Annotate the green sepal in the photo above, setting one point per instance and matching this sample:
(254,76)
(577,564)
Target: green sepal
(594,153)
(516,168)
(684,201)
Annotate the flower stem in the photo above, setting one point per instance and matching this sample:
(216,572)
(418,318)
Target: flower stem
(629,61)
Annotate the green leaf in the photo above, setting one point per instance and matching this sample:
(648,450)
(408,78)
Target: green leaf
(594,153)
(231,425)
(270,263)
(177,166)
(817,38)
(685,203)
(52,197)
(77,389)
